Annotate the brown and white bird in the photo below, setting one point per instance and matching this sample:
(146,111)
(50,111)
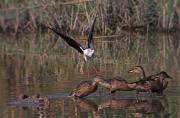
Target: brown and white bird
(85,88)
(154,83)
(115,84)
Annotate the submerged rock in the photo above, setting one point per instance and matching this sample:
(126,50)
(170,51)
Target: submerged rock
(35,100)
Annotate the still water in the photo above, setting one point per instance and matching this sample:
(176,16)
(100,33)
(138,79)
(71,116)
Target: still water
(44,64)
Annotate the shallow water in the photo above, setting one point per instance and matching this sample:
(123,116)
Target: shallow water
(44,64)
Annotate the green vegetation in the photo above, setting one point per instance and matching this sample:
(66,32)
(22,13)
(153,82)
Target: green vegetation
(113,15)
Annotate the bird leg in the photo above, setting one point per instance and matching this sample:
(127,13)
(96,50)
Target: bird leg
(85,58)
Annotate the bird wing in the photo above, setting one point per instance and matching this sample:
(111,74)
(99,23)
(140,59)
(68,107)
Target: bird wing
(69,40)
(90,34)
(83,84)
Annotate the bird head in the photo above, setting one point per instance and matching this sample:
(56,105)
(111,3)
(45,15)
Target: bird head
(136,70)
(97,79)
(164,75)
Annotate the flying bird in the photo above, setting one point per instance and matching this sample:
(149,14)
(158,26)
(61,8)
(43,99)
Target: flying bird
(88,52)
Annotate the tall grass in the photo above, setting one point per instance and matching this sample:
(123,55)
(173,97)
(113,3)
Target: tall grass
(113,15)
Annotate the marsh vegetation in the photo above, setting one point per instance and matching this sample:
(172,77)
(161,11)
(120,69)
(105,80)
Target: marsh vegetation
(127,33)
(74,16)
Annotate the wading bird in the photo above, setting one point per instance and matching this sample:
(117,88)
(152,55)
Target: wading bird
(156,83)
(115,84)
(85,88)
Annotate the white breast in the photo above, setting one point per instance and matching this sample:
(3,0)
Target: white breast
(88,52)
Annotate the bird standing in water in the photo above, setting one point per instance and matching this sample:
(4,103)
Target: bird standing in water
(85,88)
(115,84)
(156,83)
(88,52)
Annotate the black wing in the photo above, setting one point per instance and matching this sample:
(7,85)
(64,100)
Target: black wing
(69,40)
(90,35)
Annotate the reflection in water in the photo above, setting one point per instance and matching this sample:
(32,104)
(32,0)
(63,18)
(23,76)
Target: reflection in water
(39,63)
(110,107)
(157,107)
(86,106)
(35,103)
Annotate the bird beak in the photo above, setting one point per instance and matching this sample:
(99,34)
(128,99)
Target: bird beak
(169,77)
(130,71)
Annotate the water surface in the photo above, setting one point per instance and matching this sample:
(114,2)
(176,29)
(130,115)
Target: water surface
(43,63)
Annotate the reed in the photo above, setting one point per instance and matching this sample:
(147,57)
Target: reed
(113,15)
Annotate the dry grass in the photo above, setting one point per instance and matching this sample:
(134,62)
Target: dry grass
(113,16)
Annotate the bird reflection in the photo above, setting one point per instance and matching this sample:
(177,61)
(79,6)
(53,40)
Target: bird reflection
(139,108)
(35,102)
(116,104)
(87,106)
